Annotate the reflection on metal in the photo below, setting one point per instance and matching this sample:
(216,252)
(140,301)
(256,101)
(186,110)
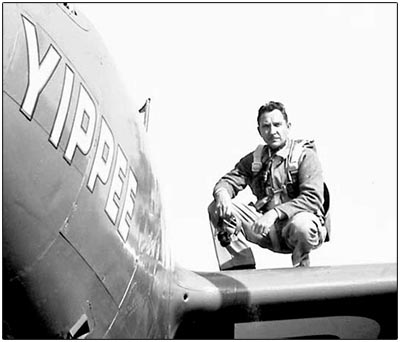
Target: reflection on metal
(342,327)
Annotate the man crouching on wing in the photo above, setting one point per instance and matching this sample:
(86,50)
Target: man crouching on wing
(286,177)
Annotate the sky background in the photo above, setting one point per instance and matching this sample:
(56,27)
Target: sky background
(208,68)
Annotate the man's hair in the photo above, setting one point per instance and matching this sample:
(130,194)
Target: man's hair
(269,107)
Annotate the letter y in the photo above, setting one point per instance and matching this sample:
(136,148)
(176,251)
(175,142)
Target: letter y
(39,72)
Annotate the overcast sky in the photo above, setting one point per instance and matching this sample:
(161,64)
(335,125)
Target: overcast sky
(207,69)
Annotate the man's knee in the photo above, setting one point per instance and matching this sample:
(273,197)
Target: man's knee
(305,228)
(212,212)
(212,207)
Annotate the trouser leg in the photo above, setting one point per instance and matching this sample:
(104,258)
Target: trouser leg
(298,235)
(232,252)
(248,215)
(302,234)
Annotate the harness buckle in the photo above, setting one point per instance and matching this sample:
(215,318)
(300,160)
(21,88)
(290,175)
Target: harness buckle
(270,192)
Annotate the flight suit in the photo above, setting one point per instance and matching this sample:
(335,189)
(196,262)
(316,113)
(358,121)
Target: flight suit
(297,197)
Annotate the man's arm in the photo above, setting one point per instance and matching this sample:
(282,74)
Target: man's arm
(229,185)
(237,179)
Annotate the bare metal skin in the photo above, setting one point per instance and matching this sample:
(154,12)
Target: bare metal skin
(84,251)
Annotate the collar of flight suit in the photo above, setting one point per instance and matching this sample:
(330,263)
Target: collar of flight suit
(282,152)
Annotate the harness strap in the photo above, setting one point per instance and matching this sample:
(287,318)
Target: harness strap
(270,195)
(293,160)
(257,155)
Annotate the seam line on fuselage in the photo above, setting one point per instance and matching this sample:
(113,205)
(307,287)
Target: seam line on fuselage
(91,268)
(28,269)
(12,54)
(43,129)
(111,325)
(121,302)
(128,287)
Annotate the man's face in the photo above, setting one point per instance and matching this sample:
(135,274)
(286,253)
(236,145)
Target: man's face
(273,129)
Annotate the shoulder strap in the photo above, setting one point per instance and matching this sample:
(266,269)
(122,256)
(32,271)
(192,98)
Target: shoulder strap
(292,166)
(295,156)
(257,155)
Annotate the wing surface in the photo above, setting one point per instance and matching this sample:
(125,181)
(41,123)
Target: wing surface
(350,302)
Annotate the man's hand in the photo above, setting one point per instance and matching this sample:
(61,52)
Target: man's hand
(265,222)
(223,204)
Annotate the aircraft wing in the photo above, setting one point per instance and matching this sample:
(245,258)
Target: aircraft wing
(350,302)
